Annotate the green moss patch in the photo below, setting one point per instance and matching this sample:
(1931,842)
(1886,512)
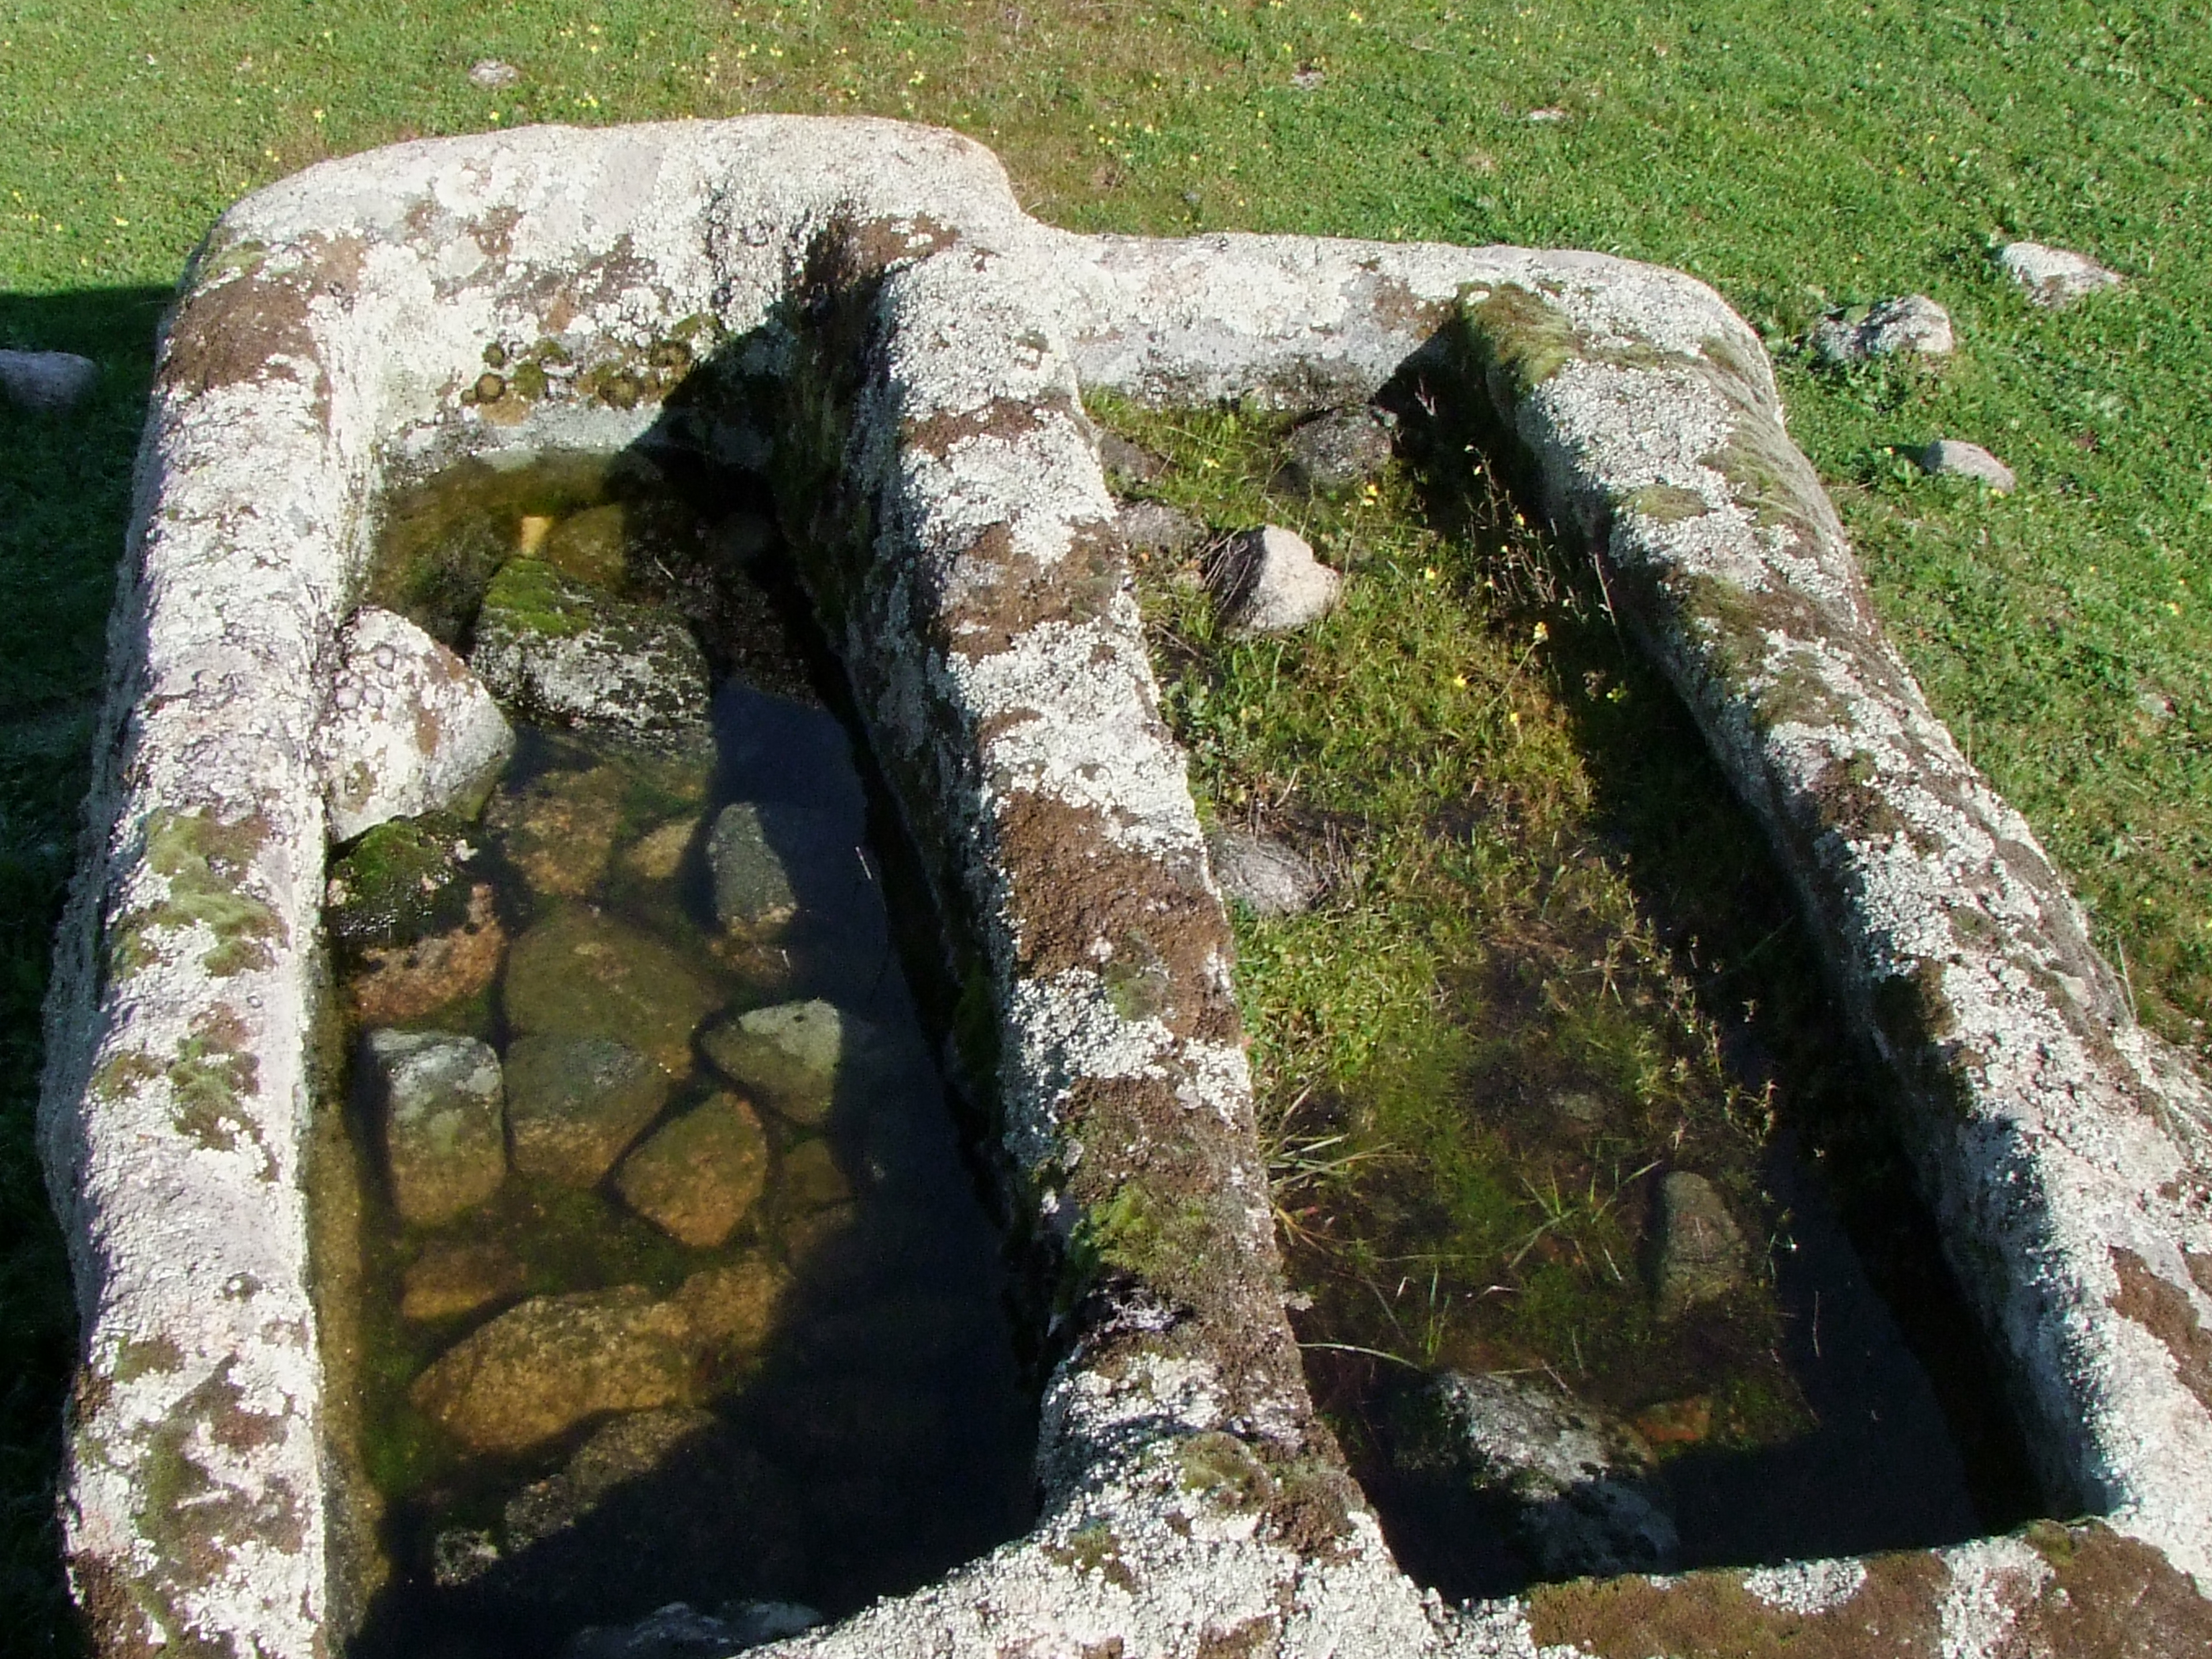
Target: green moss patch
(204,861)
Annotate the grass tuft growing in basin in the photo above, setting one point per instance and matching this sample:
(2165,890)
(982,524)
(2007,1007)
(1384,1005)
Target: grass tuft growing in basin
(1478,1051)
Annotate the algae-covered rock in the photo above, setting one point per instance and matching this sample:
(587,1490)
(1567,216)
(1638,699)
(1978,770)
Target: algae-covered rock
(1574,1480)
(573,1103)
(658,854)
(407,729)
(589,546)
(699,1176)
(566,653)
(404,880)
(405,982)
(555,1362)
(789,1055)
(1699,1253)
(579,973)
(452,1278)
(438,1100)
(558,828)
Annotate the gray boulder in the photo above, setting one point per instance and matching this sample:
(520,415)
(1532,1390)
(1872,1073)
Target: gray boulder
(1698,1253)
(554,1362)
(47,382)
(580,974)
(1577,1482)
(1264,876)
(1951,458)
(1339,448)
(790,1055)
(1268,581)
(700,1175)
(566,653)
(573,1103)
(440,1105)
(1912,326)
(406,728)
(2054,277)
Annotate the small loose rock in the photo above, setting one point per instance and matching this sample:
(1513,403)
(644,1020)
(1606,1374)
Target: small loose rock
(1268,581)
(2054,277)
(1264,876)
(492,74)
(698,1176)
(47,382)
(1952,457)
(1338,449)
(1913,325)
(1153,529)
(1699,1255)
(1126,461)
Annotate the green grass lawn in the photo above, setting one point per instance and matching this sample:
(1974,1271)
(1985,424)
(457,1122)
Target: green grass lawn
(1797,157)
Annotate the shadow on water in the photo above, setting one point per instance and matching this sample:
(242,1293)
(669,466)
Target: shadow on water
(882,1433)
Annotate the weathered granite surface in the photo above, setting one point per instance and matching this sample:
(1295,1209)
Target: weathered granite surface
(876,321)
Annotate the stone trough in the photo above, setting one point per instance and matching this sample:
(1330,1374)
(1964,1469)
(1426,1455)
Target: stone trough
(861,308)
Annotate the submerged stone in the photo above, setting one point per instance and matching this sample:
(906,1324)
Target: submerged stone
(573,1103)
(789,1055)
(658,854)
(1575,1479)
(439,1096)
(811,1179)
(451,1279)
(558,828)
(730,1309)
(567,654)
(403,881)
(752,853)
(679,1631)
(589,546)
(406,730)
(627,1449)
(1699,1253)
(580,974)
(555,1362)
(406,982)
(700,1175)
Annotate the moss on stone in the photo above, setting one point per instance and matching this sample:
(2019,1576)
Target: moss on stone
(1519,338)
(204,861)
(212,1072)
(401,882)
(530,596)
(1667,503)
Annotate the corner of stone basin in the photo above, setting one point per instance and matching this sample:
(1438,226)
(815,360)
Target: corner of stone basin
(906,352)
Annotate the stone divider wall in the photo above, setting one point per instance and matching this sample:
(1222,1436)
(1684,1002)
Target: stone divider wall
(869,313)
